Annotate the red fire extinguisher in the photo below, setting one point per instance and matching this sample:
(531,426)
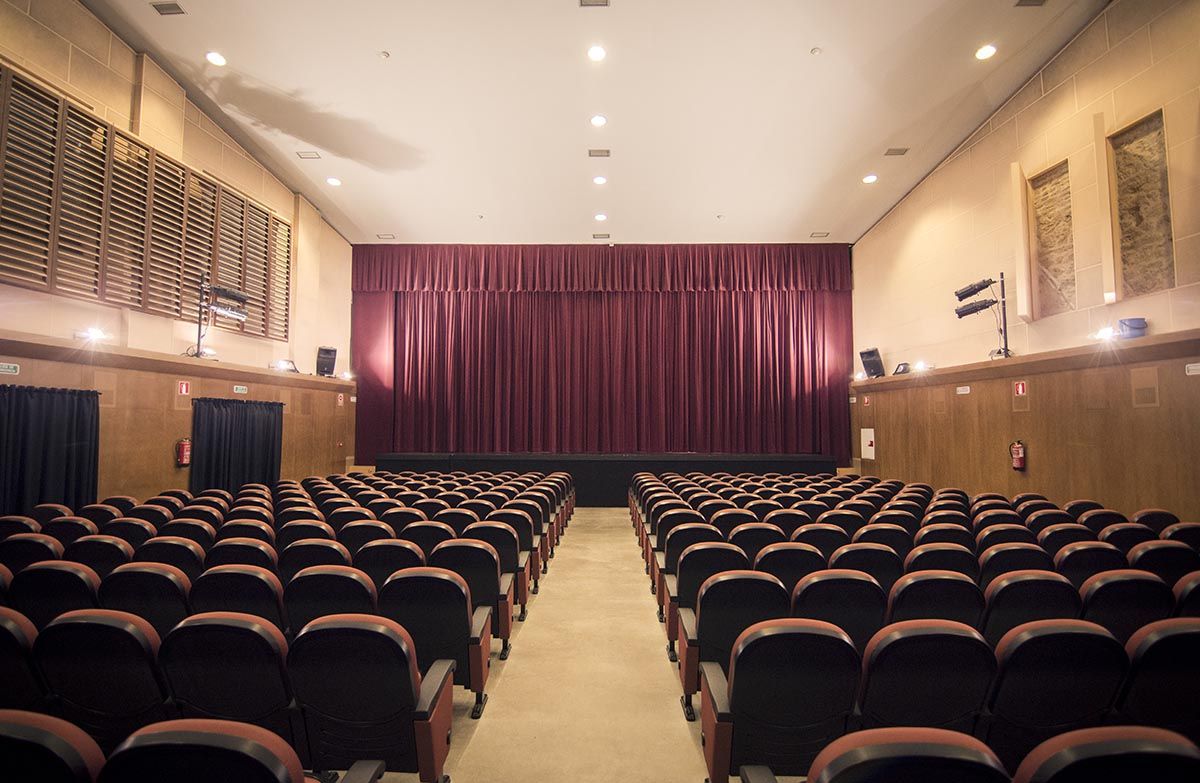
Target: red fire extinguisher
(183,452)
(1016,450)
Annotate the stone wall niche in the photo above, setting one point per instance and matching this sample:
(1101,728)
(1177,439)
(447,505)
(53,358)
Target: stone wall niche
(1143,208)
(1053,243)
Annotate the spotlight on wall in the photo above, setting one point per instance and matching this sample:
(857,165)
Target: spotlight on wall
(208,352)
(285,365)
(860,376)
(347,375)
(970,308)
(920,366)
(967,291)
(1105,333)
(92,334)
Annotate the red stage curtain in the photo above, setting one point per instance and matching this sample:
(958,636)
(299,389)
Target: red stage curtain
(654,348)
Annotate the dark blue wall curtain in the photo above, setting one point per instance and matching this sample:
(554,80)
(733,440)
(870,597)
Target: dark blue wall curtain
(49,447)
(235,442)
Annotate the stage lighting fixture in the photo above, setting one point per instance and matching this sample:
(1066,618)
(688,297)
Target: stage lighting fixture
(970,308)
(967,291)
(235,313)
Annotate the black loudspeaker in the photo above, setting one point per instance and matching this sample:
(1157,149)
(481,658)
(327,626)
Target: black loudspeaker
(326,359)
(872,363)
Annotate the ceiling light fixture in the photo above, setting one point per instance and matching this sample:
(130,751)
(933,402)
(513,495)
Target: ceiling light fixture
(815,50)
(599,121)
(601,217)
(308,155)
(216,58)
(819,234)
(599,180)
(385,236)
(597,53)
(870,179)
(333,181)
(985,52)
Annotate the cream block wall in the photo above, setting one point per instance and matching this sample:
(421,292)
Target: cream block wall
(62,43)
(958,225)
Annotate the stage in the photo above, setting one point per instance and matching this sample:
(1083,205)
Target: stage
(603,479)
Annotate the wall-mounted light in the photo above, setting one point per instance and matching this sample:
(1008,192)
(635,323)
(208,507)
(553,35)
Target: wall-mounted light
(347,375)
(1105,333)
(92,334)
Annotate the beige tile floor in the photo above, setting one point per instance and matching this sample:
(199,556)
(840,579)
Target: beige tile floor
(588,693)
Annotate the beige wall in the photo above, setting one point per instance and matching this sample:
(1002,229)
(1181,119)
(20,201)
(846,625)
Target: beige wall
(959,224)
(62,43)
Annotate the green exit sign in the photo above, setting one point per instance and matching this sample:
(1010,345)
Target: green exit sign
(241,389)
(7,368)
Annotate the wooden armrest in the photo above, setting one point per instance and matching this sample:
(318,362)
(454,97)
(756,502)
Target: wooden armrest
(522,560)
(481,621)
(751,775)
(506,584)
(431,686)
(687,625)
(365,772)
(672,584)
(713,679)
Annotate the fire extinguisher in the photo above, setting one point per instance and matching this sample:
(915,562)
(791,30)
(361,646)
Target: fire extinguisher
(1016,450)
(183,452)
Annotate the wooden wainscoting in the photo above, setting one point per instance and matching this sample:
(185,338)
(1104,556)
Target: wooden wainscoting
(142,413)
(1118,423)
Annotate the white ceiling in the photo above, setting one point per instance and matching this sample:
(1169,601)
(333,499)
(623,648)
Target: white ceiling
(715,107)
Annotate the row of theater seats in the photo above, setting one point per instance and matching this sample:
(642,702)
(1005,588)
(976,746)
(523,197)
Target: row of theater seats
(897,674)
(349,687)
(1105,755)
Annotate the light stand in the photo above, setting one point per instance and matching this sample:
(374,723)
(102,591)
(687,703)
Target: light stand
(980,305)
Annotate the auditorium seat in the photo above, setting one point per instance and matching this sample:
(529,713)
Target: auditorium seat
(233,666)
(380,559)
(135,532)
(752,537)
(22,549)
(479,566)
(996,516)
(789,562)
(14,523)
(1127,535)
(44,749)
(727,604)
(1124,600)
(1163,686)
(354,535)
(527,537)
(200,513)
(1079,562)
(944,533)
(771,710)
(880,561)
(1002,534)
(936,595)
(1054,538)
(434,606)
(122,503)
(251,513)
(1157,519)
(1170,560)
(1021,597)
(906,755)
(65,530)
(1005,558)
(296,513)
(1112,753)
(847,520)
(787,520)
(894,537)
(679,539)
(20,684)
(5,581)
(427,535)
(1187,595)
(1040,520)
(75,647)
(1027,508)
(45,590)
(44,512)
(1054,676)
(942,557)
(1077,508)
(1187,532)
(1097,519)
(947,514)
(323,590)
(155,515)
(826,538)
(154,591)
(851,600)
(310,552)
(245,589)
(242,551)
(302,530)
(182,553)
(931,673)
(696,564)
(380,708)
(101,553)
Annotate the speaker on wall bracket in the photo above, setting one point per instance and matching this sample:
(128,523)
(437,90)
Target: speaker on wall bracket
(326,359)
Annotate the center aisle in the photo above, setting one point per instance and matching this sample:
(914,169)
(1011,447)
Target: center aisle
(588,694)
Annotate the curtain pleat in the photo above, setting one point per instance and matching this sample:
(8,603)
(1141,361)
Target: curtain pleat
(235,442)
(49,447)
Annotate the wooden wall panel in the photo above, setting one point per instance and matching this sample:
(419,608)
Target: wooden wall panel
(142,414)
(1086,434)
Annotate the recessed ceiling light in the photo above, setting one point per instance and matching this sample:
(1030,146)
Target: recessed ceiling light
(599,180)
(815,50)
(385,236)
(308,155)
(599,153)
(216,58)
(870,179)
(985,52)
(597,53)
(819,234)
(334,181)
(599,121)
(601,217)
(384,54)
(601,236)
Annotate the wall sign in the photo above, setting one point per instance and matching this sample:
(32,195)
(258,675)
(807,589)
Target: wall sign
(241,389)
(853,400)
(963,390)
(866,401)
(1189,369)
(341,399)
(868,442)
(185,387)
(8,368)
(1020,388)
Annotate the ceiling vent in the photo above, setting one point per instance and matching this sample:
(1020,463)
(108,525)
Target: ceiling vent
(895,152)
(819,234)
(308,155)
(601,236)
(168,9)
(1030,3)
(385,236)
(599,153)
(593,3)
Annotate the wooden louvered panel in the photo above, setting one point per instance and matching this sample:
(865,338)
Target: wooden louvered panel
(280,280)
(165,263)
(231,245)
(258,252)
(125,248)
(199,232)
(81,206)
(27,189)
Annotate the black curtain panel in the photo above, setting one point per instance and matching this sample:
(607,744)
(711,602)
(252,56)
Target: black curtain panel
(235,442)
(49,447)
